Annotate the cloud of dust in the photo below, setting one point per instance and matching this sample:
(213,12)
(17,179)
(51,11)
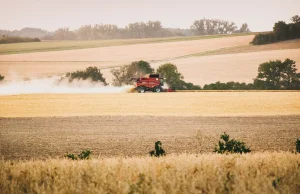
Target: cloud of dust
(54,85)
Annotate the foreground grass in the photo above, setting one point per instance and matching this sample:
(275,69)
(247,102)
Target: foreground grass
(207,173)
(71,45)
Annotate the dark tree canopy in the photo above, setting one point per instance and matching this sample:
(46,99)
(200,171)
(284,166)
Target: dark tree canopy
(170,72)
(295,19)
(174,78)
(281,31)
(275,75)
(228,86)
(123,74)
(92,73)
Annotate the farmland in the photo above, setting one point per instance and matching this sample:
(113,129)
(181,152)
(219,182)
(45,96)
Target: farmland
(164,104)
(121,124)
(46,46)
(201,61)
(121,128)
(111,136)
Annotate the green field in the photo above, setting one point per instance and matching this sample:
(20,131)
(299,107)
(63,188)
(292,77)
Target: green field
(71,45)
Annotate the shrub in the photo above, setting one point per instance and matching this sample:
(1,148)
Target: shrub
(228,86)
(265,38)
(84,155)
(17,39)
(159,151)
(71,156)
(298,146)
(281,32)
(1,77)
(231,146)
(92,73)
(186,86)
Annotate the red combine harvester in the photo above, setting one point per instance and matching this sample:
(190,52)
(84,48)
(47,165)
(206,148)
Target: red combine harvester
(149,82)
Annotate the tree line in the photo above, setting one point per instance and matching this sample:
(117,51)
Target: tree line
(150,29)
(16,39)
(272,75)
(281,31)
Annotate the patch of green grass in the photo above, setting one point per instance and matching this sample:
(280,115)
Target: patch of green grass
(46,46)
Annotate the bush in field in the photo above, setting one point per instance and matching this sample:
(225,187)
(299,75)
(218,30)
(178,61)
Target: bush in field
(84,155)
(230,146)
(17,39)
(92,73)
(159,151)
(265,38)
(276,75)
(298,146)
(1,77)
(123,75)
(228,86)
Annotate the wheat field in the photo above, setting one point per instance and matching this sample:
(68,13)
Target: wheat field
(162,104)
(202,173)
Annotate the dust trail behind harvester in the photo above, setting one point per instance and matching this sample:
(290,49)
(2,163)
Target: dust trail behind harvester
(54,85)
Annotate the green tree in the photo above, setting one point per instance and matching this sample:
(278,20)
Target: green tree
(281,30)
(294,28)
(275,75)
(92,73)
(295,19)
(123,75)
(170,72)
(174,79)
(212,26)
(244,28)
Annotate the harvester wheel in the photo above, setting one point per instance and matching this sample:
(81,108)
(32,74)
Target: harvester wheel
(157,89)
(141,89)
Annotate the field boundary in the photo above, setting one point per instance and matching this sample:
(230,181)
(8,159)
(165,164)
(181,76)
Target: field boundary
(237,90)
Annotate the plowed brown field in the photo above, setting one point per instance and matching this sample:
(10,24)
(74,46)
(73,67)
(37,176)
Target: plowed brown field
(25,138)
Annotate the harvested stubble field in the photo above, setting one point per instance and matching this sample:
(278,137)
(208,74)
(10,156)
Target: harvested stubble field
(52,124)
(203,173)
(40,138)
(265,121)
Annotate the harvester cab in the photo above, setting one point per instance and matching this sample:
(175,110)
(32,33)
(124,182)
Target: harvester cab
(149,82)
